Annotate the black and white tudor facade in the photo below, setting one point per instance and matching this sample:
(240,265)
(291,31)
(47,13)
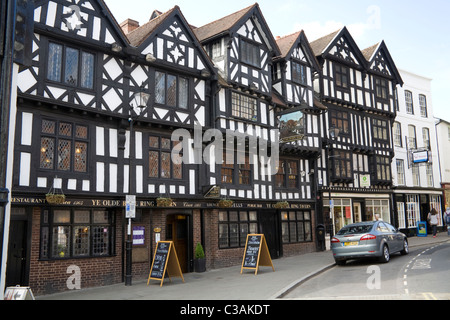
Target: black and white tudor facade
(79,131)
(359,91)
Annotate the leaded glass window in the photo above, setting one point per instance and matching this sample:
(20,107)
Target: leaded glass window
(65,149)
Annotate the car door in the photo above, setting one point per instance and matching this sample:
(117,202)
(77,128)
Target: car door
(398,237)
(392,237)
(387,235)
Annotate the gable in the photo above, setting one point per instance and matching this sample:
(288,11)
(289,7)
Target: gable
(254,27)
(343,48)
(89,19)
(381,62)
(168,38)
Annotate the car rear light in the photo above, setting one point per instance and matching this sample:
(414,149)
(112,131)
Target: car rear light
(368,237)
(334,240)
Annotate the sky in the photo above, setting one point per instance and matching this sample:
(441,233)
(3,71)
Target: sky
(417,33)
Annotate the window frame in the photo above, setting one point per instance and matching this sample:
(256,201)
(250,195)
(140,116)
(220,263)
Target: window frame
(286,177)
(383,169)
(342,159)
(62,63)
(250,53)
(381,89)
(295,223)
(409,102)
(342,76)
(423,105)
(401,175)
(244,106)
(412,141)
(300,75)
(47,250)
(397,133)
(380,127)
(251,224)
(340,119)
(181,96)
(74,153)
(237,171)
(160,150)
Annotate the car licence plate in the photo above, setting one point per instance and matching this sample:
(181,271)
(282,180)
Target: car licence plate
(348,244)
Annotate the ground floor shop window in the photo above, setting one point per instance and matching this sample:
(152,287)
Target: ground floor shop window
(401,215)
(68,233)
(342,213)
(296,226)
(412,210)
(435,202)
(377,207)
(234,226)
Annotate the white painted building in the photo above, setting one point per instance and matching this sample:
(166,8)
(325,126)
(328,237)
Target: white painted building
(416,174)
(443,137)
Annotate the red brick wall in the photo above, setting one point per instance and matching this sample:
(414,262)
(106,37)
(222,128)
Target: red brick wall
(47,277)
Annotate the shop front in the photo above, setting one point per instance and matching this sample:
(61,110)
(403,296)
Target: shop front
(348,208)
(413,206)
(81,243)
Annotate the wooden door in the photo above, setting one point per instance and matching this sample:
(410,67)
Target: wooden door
(178,232)
(17,254)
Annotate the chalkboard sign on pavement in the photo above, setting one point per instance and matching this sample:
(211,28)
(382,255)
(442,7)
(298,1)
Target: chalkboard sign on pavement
(256,253)
(165,261)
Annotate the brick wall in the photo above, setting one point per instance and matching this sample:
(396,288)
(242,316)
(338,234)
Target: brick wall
(47,277)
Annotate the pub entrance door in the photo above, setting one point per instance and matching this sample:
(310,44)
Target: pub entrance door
(178,230)
(269,225)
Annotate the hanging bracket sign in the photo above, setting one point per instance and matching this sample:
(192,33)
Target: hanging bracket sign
(256,253)
(165,261)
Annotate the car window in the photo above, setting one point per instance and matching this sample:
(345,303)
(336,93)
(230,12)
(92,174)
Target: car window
(355,229)
(382,228)
(390,227)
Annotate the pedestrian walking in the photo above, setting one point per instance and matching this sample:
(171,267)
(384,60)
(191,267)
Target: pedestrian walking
(447,219)
(433,220)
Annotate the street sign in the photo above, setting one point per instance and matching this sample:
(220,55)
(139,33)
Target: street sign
(130,207)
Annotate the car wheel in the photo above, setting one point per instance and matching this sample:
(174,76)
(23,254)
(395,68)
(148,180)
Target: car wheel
(385,254)
(405,250)
(340,262)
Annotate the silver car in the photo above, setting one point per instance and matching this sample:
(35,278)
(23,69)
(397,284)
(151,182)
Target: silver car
(368,239)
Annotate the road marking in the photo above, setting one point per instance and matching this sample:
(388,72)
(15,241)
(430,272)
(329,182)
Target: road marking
(422,264)
(429,296)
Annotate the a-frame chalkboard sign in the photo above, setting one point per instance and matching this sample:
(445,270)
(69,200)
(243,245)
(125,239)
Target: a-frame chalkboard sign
(256,253)
(165,261)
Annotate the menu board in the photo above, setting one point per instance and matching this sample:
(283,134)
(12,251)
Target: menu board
(256,253)
(252,251)
(165,261)
(159,261)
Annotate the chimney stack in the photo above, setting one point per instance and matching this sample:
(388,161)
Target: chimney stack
(129,25)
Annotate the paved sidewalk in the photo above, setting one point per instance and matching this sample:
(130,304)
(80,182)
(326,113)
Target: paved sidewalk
(226,283)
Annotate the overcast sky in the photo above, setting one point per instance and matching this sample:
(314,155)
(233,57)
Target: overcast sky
(417,33)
